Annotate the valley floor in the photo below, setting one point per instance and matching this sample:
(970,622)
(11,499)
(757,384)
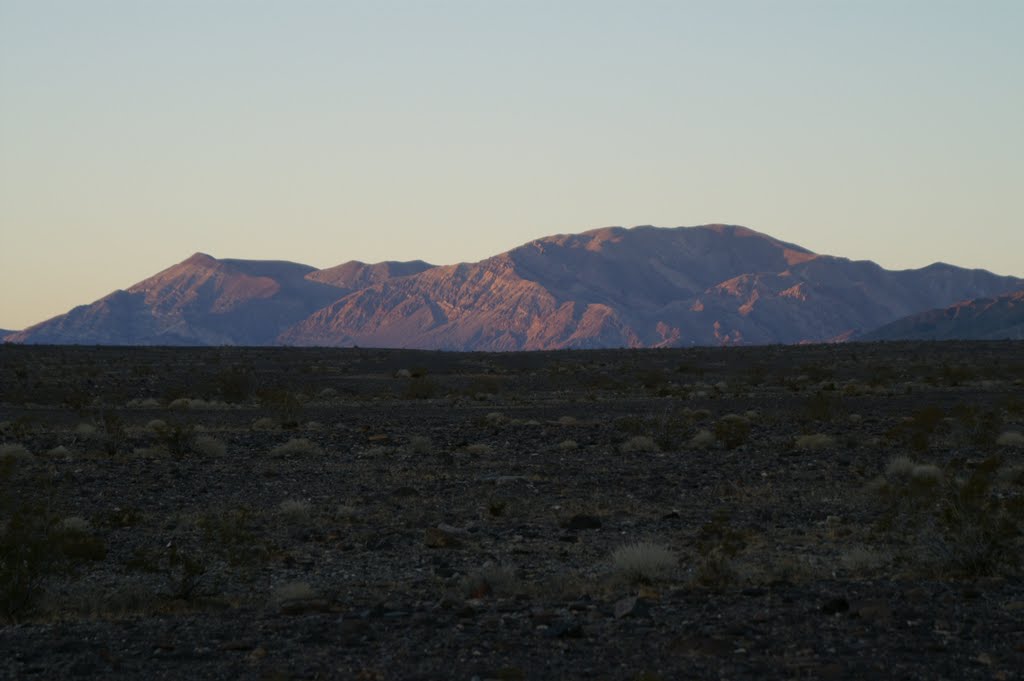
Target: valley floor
(843,511)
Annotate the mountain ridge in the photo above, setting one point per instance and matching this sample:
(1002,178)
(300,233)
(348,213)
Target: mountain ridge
(644,286)
(990,318)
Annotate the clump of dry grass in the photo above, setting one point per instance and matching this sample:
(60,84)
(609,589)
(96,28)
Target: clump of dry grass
(860,559)
(197,403)
(294,591)
(490,580)
(15,452)
(74,525)
(926,472)
(496,419)
(732,430)
(208,446)
(420,444)
(295,510)
(479,449)
(643,561)
(702,440)
(899,468)
(638,443)
(815,442)
(1010,438)
(85,430)
(297,447)
(265,423)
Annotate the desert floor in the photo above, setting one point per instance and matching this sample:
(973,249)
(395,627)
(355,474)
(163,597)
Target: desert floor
(843,512)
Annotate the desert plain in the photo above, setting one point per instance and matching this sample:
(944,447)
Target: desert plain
(843,511)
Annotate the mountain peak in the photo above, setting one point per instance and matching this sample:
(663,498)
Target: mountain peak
(200,258)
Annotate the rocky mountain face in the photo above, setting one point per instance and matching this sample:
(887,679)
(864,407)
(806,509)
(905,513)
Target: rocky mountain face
(611,287)
(205,301)
(996,318)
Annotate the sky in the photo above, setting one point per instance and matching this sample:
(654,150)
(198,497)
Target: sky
(134,133)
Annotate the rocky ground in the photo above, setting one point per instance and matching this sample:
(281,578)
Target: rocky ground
(846,511)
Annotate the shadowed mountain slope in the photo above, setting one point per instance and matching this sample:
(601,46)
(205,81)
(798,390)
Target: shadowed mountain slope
(610,287)
(996,318)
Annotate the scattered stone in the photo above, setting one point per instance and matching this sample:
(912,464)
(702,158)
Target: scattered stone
(436,538)
(565,629)
(631,606)
(835,606)
(583,522)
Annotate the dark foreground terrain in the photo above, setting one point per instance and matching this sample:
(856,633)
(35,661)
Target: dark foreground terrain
(841,512)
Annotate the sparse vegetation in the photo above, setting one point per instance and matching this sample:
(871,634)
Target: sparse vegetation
(644,561)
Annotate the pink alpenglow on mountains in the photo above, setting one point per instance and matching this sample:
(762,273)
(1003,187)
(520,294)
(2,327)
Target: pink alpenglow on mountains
(610,287)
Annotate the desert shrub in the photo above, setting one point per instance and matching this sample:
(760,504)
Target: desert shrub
(964,525)
(631,425)
(186,571)
(926,473)
(85,430)
(176,437)
(860,559)
(815,442)
(496,419)
(206,445)
(977,427)
(718,545)
(15,453)
(28,557)
(490,580)
(821,406)
(644,561)
(421,388)
(285,405)
(420,444)
(265,423)
(732,430)
(294,591)
(1010,438)
(35,545)
(236,384)
(702,439)
(295,511)
(638,443)
(899,467)
(115,435)
(156,425)
(230,532)
(484,385)
(297,447)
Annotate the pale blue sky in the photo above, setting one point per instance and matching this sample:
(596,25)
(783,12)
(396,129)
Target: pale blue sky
(135,132)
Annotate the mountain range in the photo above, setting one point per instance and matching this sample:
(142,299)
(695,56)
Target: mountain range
(609,287)
(978,319)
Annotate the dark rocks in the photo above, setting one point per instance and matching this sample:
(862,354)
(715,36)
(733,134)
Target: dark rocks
(835,606)
(582,522)
(436,538)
